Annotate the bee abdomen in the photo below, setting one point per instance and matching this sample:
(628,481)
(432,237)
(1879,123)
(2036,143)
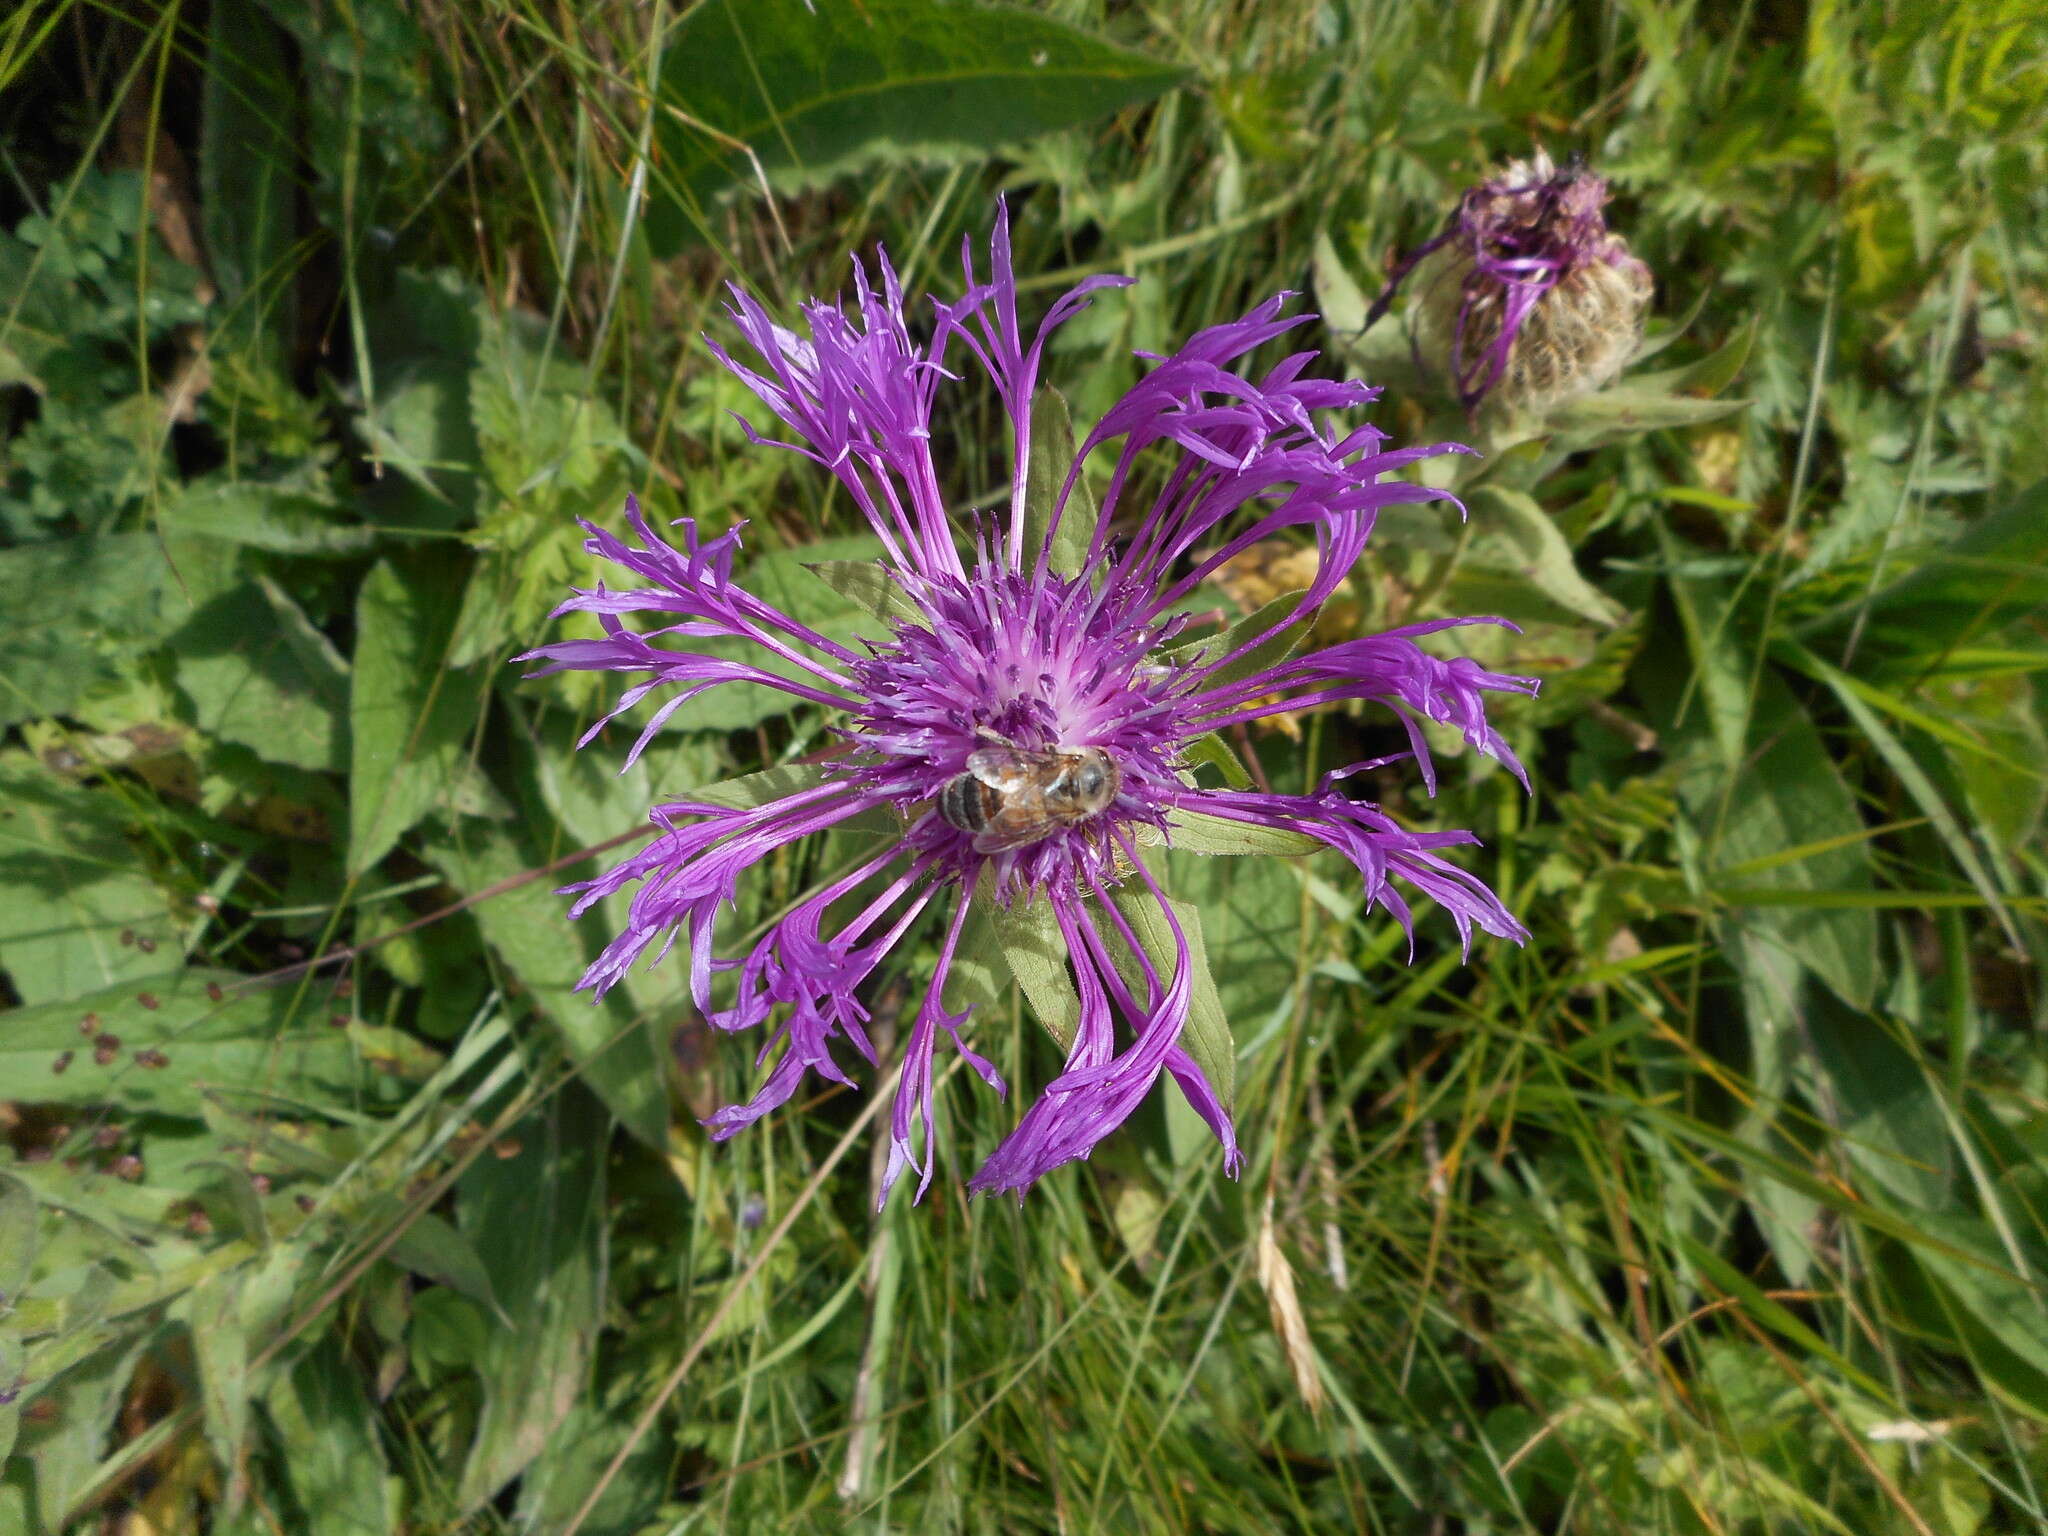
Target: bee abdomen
(966,803)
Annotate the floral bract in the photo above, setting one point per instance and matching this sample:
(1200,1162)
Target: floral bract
(1005,647)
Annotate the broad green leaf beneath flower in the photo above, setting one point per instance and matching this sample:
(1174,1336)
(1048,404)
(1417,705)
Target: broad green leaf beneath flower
(1193,831)
(1207,1036)
(1036,952)
(1285,640)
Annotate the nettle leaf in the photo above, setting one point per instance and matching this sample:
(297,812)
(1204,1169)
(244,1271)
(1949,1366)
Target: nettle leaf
(169,1042)
(1514,529)
(76,912)
(809,93)
(260,675)
(1207,1035)
(413,718)
(1052,459)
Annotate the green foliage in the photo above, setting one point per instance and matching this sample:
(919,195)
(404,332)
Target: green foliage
(809,93)
(327,1203)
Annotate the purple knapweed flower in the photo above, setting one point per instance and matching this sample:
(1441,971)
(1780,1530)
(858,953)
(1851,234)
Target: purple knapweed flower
(1528,292)
(995,656)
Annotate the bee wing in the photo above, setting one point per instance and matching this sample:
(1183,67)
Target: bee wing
(1005,768)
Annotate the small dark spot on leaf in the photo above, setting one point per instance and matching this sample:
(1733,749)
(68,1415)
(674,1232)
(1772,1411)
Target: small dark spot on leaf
(107,1137)
(213,992)
(337,1021)
(148,1000)
(129,1168)
(304,1203)
(153,1060)
(145,943)
(63,1060)
(127,938)
(89,1025)
(105,1049)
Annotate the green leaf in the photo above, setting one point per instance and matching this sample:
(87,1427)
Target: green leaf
(816,92)
(1035,950)
(869,586)
(538,1221)
(1270,652)
(1625,411)
(1996,573)
(12,1358)
(66,1438)
(1193,831)
(248,170)
(616,1052)
(260,675)
(283,519)
(331,1449)
(423,336)
(269,1043)
(1052,458)
(76,913)
(76,613)
(1710,375)
(1210,747)
(1513,529)
(784,579)
(17,1247)
(413,720)
(1207,1035)
(1251,928)
(763,788)
(213,1317)
(1884,1105)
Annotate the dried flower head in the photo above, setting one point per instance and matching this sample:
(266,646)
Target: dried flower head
(1528,295)
(1023,715)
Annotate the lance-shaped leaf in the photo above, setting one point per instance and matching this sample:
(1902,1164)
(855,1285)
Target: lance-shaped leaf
(808,92)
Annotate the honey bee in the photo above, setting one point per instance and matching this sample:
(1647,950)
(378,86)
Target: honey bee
(1010,797)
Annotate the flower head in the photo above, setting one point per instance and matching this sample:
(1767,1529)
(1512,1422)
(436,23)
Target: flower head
(1528,293)
(1025,716)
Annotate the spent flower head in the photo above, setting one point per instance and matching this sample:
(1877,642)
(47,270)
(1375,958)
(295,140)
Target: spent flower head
(1025,714)
(1528,295)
